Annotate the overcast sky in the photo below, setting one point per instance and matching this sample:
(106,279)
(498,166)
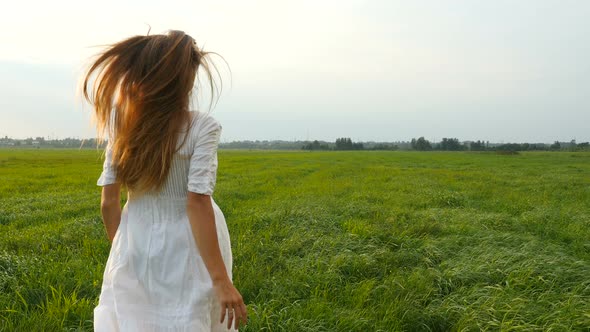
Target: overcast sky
(383,70)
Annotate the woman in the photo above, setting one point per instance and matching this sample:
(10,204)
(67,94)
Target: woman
(170,264)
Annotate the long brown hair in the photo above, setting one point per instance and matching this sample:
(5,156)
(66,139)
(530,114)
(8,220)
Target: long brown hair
(141,95)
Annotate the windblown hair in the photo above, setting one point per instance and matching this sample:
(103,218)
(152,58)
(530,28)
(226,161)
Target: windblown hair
(141,95)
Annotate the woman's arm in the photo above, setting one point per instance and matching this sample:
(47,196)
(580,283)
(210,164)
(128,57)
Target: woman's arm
(202,219)
(110,208)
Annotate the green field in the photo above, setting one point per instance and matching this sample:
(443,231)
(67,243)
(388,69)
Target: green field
(330,241)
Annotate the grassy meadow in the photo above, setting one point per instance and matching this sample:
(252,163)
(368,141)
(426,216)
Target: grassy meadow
(330,241)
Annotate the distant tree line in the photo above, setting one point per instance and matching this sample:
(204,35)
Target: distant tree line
(346,143)
(340,144)
(453,144)
(263,145)
(446,144)
(42,142)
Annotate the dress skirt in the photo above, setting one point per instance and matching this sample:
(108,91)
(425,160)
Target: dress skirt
(155,279)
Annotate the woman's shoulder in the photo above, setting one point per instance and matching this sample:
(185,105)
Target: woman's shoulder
(204,121)
(202,127)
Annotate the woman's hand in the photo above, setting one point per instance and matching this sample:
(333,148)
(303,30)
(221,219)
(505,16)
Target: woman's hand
(231,302)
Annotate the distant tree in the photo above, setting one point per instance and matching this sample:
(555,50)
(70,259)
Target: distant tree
(315,145)
(535,147)
(555,146)
(573,146)
(450,144)
(477,146)
(384,146)
(357,146)
(512,147)
(421,144)
(345,143)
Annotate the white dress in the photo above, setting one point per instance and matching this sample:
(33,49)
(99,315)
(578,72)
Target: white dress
(155,278)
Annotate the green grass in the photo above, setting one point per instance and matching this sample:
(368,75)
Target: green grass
(330,241)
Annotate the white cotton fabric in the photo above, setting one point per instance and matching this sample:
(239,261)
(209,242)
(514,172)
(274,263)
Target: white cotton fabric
(155,278)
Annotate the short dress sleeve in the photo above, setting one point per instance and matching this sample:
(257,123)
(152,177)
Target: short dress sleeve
(202,172)
(108,175)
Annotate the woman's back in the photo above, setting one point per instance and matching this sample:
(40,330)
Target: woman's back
(194,167)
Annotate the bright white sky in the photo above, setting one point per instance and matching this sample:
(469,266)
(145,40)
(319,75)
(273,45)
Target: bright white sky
(384,70)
